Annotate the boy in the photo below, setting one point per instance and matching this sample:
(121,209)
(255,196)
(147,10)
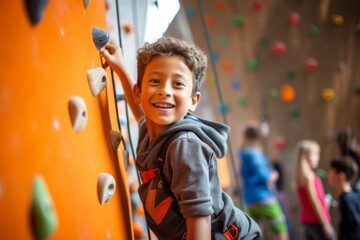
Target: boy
(341,173)
(181,193)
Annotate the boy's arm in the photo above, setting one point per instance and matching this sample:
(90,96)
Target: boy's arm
(198,228)
(113,56)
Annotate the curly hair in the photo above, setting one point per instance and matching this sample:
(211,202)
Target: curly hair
(193,57)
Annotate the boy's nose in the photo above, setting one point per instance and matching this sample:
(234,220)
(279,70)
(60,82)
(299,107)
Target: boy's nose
(164,90)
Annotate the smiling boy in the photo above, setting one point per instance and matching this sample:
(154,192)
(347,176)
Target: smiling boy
(170,73)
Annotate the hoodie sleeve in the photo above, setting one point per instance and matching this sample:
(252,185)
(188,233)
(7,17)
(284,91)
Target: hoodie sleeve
(189,163)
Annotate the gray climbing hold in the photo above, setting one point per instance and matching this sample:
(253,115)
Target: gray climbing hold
(35,9)
(100,37)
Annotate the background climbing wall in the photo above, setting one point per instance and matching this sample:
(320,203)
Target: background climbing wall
(44,63)
(292,65)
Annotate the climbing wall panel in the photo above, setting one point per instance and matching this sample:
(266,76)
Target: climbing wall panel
(46,50)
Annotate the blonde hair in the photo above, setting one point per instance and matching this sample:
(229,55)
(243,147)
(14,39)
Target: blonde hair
(303,169)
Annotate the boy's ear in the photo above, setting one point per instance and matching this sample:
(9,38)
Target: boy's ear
(137,94)
(194,101)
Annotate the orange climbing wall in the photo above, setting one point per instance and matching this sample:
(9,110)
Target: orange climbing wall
(42,66)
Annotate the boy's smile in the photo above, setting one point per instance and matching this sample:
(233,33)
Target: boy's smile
(166,92)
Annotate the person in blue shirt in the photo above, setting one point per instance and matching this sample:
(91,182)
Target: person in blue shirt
(258,180)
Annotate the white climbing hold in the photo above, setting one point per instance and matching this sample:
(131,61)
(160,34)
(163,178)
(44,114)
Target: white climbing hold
(105,187)
(78,113)
(97,79)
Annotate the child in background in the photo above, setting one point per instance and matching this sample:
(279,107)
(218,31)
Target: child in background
(314,213)
(346,141)
(192,206)
(341,173)
(259,183)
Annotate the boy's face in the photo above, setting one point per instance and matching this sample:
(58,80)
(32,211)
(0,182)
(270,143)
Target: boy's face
(166,92)
(332,177)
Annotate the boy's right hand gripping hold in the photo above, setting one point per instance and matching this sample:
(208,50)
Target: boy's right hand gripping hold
(113,56)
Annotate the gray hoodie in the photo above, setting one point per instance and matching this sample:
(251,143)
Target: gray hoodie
(190,169)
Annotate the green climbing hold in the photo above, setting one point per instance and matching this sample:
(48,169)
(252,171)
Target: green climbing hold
(274,93)
(253,64)
(357,29)
(294,111)
(314,30)
(358,90)
(321,173)
(238,20)
(243,101)
(263,42)
(43,216)
(291,74)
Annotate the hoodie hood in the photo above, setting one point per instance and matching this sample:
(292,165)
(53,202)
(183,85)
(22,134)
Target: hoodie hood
(212,133)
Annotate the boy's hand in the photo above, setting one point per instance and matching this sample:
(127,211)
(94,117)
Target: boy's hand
(113,56)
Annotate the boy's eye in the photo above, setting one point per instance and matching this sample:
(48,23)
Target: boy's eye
(154,81)
(179,84)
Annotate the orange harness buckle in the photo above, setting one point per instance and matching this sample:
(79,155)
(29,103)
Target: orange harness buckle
(232,232)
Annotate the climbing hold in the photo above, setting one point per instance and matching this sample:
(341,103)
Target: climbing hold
(127,27)
(311,64)
(210,20)
(279,142)
(294,111)
(97,79)
(278,48)
(337,19)
(321,173)
(243,101)
(221,5)
(238,20)
(358,90)
(106,186)
(341,66)
(86,3)
(235,84)
(115,139)
(253,64)
(223,41)
(78,113)
(287,93)
(294,18)
(263,42)
(100,37)
(291,73)
(274,93)
(258,4)
(214,56)
(227,66)
(190,12)
(43,215)
(223,107)
(357,29)
(314,30)
(328,94)
(35,9)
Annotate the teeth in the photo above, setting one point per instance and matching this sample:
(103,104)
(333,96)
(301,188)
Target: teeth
(162,105)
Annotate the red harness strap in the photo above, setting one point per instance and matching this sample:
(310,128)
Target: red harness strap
(148,175)
(232,232)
